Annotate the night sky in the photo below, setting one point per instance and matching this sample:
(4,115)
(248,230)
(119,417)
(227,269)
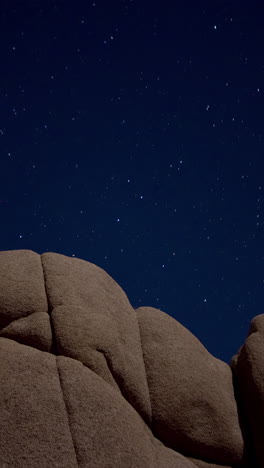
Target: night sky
(131,136)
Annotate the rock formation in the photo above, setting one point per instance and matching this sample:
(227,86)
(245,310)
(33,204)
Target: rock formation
(86,380)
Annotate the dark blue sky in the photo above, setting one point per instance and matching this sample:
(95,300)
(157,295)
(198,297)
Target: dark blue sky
(131,136)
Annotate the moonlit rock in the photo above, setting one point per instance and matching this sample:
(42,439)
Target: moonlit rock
(86,380)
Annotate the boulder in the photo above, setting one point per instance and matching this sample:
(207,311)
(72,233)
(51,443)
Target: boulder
(86,380)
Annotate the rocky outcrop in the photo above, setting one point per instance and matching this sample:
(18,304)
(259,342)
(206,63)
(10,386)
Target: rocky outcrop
(86,380)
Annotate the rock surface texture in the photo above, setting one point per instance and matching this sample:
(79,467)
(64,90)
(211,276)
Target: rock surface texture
(86,380)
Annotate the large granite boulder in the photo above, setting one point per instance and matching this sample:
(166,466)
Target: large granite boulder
(86,380)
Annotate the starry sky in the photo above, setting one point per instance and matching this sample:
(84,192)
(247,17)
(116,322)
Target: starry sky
(131,136)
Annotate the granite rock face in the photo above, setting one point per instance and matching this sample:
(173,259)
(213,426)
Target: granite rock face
(86,380)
